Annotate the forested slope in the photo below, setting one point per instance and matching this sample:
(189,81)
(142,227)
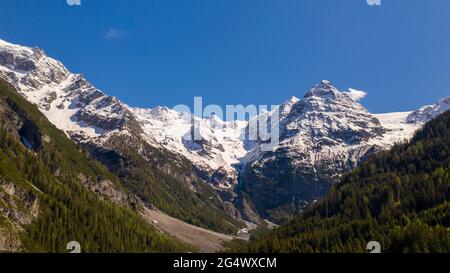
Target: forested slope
(44,198)
(400,198)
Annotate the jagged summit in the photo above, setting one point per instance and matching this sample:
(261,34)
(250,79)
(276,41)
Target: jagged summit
(324,89)
(327,119)
(15,47)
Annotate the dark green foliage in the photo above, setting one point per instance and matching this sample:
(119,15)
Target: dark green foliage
(279,189)
(400,198)
(170,193)
(68,211)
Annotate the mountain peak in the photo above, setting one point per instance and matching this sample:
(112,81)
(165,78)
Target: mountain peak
(325,118)
(7,46)
(324,89)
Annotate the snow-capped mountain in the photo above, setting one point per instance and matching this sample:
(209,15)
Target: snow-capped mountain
(327,123)
(217,152)
(429,112)
(88,115)
(321,135)
(68,100)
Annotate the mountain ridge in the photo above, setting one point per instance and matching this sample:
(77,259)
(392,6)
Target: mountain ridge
(346,131)
(103,125)
(51,193)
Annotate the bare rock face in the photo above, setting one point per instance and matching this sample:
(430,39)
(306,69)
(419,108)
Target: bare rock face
(6,58)
(18,208)
(22,215)
(10,120)
(107,190)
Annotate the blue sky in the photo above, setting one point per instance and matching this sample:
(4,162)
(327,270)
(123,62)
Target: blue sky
(165,52)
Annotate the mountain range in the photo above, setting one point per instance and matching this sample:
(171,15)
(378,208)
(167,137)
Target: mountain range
(397,199)
(223,179)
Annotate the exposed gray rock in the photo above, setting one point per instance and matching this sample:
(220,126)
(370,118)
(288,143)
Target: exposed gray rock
(18,208)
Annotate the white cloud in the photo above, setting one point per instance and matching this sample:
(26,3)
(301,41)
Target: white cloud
(356,95)
(114,33)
